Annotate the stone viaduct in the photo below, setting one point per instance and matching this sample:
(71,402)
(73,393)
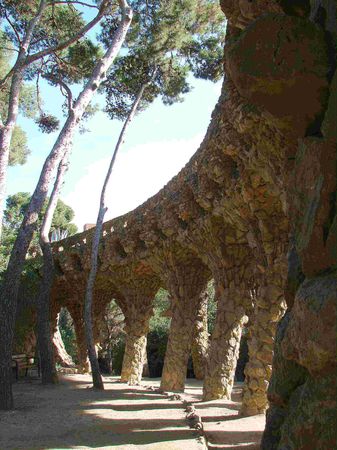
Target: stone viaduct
(254,209)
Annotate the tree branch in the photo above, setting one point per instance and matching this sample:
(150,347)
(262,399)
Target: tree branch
(21,59)
(13,27)
(74,2)
(10,49)
(73,39)
(38,97)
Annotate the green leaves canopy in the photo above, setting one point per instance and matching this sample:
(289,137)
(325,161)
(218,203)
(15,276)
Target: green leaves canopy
(169,38)
(16,206)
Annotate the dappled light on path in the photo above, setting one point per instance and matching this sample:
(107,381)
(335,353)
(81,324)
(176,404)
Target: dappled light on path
(72,415)
(222,423)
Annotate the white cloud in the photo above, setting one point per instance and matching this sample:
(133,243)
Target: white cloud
(138,174)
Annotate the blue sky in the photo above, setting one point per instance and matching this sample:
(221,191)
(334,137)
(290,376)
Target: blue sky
(159,143)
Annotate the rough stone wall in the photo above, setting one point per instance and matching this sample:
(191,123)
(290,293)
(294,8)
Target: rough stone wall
(264,175)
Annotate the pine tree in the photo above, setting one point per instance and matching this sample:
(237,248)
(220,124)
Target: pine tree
(63,144)
(37,31)
(154,65)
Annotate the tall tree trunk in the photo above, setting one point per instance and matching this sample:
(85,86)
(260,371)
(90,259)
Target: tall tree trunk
(45,342)
(6,129)
(16,75)
(96,376)
(10,286)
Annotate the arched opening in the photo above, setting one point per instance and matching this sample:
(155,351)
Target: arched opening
(64,340)
(111,339)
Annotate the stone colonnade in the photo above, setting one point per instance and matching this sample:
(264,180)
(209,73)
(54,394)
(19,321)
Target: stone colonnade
(265,171)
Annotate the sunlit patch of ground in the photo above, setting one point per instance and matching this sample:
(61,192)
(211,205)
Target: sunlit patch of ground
(223,426)
(123,417)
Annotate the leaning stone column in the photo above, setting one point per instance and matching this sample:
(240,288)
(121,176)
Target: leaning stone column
(61,355)
(135,297)
(178,346)
(225,251)
(225,342)
(137,327)
(200,338)
(268,309)
(185,279)
(75,311)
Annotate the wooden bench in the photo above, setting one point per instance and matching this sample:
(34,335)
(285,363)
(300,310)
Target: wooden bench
(25,362)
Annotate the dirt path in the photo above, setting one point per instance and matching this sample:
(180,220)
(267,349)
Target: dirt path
(73,416)
(222,424)
(122,417)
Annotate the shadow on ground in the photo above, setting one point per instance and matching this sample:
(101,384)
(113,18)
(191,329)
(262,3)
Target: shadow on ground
(71,415)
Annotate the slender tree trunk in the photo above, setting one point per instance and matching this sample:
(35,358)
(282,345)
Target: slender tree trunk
(6,129)
(45,341)
(6,132)
(96,376)
(10,286)
(16,75)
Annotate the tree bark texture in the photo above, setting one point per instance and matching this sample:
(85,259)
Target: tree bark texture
(97,379)
(10,286)
(200,338)
(225,344)
(6,129)
(45,342)
(16,74)
(44,332)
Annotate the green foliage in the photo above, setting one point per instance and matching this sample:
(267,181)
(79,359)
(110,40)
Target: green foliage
(16,206)
(159,323)
(205,58)
(67,330)
(111,339)
(28,101)
(168,40)
(58,23)
(158,333)
(47,123)
(112,336)
(28,107)
(81,59)
(18,149)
